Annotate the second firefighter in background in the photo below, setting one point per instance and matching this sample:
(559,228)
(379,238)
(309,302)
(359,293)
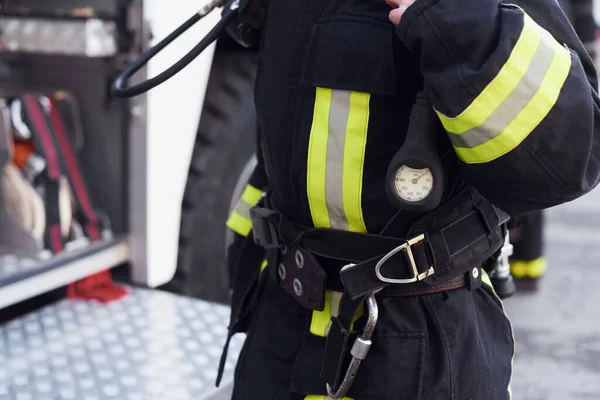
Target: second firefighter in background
(528,262)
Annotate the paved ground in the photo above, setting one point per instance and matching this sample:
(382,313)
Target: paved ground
(558,328)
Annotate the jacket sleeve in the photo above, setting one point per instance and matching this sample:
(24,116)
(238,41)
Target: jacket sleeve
(239,218)
(514,89)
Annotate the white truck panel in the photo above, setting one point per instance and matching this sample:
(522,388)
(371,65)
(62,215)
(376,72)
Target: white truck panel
(172,116)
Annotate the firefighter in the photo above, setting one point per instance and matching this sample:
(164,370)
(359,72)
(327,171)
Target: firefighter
(581,15)
(349,289)
(528,264)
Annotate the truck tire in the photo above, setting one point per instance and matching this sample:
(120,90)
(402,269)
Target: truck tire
(225,143)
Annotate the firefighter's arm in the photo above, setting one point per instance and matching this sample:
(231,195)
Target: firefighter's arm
(514,90)
(239,219)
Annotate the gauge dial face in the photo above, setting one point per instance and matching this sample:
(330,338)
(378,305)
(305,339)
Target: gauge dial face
(413,185)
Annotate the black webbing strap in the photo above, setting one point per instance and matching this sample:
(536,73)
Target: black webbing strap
(245,280)
(70,166)
(451,250)
(33,115)
(50,137)
(470,233)
(458,235)
(338,339)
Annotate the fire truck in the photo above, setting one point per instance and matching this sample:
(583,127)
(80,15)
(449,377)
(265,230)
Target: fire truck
(156,174)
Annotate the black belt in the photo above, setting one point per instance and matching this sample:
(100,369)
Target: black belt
(443,245)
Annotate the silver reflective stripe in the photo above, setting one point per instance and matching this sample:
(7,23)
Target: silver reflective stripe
(336,159)
(338,122)
(243,209)
(515,102)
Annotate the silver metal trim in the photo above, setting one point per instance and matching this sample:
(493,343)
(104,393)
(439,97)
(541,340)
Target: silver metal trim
(297,287)
(69,272)
(299,258)
(90,37)
(282,272)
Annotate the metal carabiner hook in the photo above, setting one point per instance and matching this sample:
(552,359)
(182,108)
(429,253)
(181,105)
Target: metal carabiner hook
(359,351)
(21,129)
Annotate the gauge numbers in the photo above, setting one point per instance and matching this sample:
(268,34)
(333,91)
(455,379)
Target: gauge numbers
(413,185)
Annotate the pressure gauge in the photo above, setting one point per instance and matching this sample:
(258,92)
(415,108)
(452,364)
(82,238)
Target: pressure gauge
(413,184)
(415,176)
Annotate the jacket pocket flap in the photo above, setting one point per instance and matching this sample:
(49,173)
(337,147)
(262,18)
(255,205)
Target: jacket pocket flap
(351,54)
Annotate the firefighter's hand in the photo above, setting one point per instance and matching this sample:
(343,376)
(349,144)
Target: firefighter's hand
(399,7)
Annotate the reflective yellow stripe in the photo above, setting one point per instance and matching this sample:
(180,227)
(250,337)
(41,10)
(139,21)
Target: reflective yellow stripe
(528,269)
(321,397)
(336,156)
(251,195)
(354,160)
(239,219)
(319,324)
(486,280)
(317,154)
(320,321)
(515,102)
(238,224)
(500,87)
(528,118)
(263,266)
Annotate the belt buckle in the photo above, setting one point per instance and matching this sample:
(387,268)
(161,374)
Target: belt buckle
(406,246)
(263,230)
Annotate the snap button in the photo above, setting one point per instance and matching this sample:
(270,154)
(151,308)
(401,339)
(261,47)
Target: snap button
(299,259)
(282,272)
(297,287)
